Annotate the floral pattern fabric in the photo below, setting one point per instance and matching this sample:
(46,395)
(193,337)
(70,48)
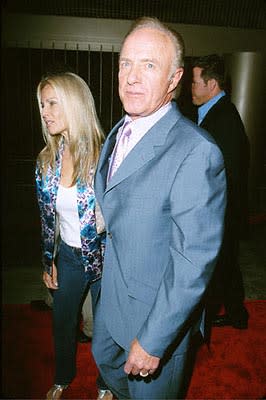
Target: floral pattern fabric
(92,244)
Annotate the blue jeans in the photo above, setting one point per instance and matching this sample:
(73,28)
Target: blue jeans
(72,284)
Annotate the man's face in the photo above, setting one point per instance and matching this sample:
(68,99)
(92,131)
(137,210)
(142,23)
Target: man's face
(145,66)
(200,90)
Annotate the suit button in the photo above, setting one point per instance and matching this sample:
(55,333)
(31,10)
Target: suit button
(109,235)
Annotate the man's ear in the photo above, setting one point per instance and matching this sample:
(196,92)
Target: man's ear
(175,78)
(212,84)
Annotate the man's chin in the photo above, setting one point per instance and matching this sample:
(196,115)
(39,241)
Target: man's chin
(133,112)
(197,103)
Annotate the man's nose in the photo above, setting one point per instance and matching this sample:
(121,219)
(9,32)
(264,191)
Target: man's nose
(134,75)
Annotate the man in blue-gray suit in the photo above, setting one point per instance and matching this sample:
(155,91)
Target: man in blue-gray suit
(161,186)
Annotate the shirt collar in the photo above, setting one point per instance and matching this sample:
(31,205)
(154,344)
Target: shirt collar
(145,123)
(203,110)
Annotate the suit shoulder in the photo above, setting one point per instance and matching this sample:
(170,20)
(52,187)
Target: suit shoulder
(224,109)
(188,138)
(193,131)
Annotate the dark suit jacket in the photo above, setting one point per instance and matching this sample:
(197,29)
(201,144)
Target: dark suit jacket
(223,122)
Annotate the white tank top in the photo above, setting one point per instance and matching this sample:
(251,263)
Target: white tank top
(67,213)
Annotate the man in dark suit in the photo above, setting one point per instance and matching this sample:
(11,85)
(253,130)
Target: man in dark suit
(221,119)
(161,185)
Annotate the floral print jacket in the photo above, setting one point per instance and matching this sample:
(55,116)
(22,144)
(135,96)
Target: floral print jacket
(92,244)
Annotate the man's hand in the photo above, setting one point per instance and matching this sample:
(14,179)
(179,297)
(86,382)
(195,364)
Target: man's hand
(139,361)
(51,281)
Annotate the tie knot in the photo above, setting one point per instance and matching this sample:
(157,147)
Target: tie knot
(126,130)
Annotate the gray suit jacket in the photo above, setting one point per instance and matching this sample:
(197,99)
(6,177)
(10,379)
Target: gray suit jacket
(164,210)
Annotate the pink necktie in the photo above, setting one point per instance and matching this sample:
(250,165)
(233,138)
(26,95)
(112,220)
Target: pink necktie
(120,150)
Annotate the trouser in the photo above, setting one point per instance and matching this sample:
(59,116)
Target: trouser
(169,382)
(226,287)
(72,283)
(87,315)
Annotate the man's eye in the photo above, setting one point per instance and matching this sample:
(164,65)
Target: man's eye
(52,103)
(150,65)
(124,64)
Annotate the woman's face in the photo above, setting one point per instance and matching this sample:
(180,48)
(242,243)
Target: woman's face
(52,112)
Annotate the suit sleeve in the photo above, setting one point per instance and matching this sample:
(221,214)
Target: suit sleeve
(197,202)
(225,125)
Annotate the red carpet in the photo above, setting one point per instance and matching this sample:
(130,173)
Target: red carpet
(233,368)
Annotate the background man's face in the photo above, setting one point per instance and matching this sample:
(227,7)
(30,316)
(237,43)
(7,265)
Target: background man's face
(200,89)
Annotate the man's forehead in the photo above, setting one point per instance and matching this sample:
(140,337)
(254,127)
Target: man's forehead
(150,35)
(146,41)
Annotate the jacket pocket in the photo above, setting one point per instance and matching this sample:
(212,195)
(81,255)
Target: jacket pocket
(141,291)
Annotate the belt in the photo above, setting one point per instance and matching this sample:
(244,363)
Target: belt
(76,250)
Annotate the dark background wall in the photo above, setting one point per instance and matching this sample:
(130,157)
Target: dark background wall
(250,14)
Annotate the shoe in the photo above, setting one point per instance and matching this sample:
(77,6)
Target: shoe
(225,320)
(55,392)
(82,337)
(104,394)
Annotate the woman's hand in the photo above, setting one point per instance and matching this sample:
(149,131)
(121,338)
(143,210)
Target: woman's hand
(51,281)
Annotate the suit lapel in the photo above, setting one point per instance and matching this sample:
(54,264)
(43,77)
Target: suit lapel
(142,153)
(137,157)
(220,103)
(103,164)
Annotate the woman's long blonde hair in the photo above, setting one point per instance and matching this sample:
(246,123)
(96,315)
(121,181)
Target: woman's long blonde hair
(85,135)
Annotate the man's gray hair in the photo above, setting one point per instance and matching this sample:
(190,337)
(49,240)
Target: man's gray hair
(175,37)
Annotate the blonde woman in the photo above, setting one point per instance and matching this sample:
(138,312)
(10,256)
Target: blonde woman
(72,247)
